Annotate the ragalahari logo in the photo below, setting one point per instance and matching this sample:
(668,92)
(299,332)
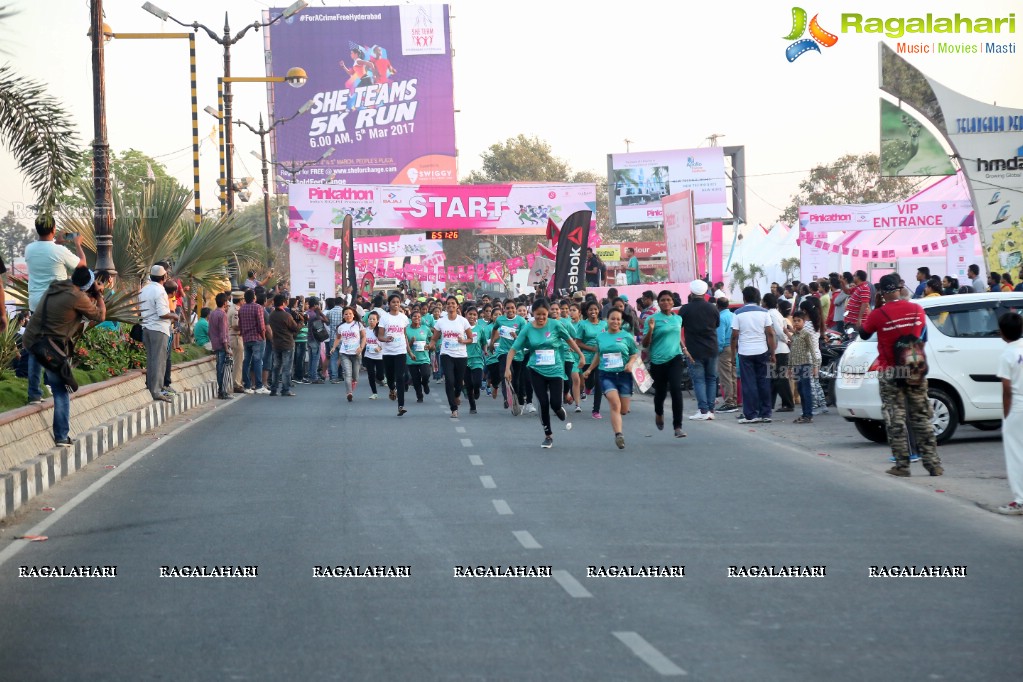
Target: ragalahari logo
(799,27)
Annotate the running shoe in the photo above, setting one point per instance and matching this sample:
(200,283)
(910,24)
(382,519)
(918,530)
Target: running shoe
(288,394)
(392,395)
(401,411)
(67,442)
(419,399)
(547,443)
(349,397)
(809,420)
(912,458)
(679,433)
(729,407)
(754,420)
(248,391)
(562,415)
(596,415)
(698,417)
(530,408)
(263,391)
(454,415)
(373,396)
(1011,509)
(710,416)
(578,408)
(765,420)
(472,411)
(898,471)
(620,441)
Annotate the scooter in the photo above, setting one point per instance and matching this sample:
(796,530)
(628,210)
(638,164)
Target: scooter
(833,345)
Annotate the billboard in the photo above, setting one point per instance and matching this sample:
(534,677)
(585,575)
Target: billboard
(678,234)
(440,207)
(640,180)
(892,216)
(988,143)
(907,147)
(380,83)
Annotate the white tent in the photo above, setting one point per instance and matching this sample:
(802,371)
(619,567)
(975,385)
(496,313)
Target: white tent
(766,249)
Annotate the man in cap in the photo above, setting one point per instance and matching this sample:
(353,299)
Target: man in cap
(904,400)
(234,332)
(154,307)
(700,320)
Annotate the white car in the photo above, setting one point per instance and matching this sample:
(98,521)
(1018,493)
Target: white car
(963,347)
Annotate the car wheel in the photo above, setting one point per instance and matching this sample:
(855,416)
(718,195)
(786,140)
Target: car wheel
(989,425)
(945,414)
(872,430)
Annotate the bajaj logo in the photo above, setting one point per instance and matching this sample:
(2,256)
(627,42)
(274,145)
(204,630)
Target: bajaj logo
(799,27)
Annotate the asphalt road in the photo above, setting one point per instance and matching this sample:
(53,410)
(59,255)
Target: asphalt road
(291,484)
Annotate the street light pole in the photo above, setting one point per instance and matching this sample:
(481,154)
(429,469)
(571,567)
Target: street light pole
(102,217)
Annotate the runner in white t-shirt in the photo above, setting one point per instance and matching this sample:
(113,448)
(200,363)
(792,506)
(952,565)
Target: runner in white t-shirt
(373,358)
(391,332)
(453,332)
(351,339)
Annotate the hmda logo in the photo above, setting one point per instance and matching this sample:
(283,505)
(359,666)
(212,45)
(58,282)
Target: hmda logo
(340,193)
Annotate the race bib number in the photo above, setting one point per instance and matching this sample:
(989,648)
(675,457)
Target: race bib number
(450,344)
(419,346)
(611,361)
(545,357)
(349,346)
(506,332)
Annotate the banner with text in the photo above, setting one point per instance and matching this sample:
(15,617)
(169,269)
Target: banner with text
(381,87)
(678,235)
(640,180)
(874,217)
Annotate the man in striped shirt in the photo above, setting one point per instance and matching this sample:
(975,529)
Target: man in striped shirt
(252,327)
(858,306)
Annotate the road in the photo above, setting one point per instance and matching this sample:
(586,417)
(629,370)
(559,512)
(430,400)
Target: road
(287,485)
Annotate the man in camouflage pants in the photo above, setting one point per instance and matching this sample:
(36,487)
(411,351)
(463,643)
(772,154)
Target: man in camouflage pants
(893,318)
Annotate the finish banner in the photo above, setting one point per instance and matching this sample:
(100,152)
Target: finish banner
(873,217)
(439,207)
(570,262)
(381,87)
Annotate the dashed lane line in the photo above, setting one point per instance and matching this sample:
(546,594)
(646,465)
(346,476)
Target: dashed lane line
(466,443)
(526,539)
(475,460)
(649,654)
(488,481)
(502,507)
(571,585)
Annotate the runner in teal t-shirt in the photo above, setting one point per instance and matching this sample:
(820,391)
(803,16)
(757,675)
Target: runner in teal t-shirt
(544,337)
(617,353)
(474,352)
(506,328)
(419,347)
(664,339)
(632,269)
(586,332)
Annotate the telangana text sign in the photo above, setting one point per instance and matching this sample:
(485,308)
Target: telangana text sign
(440,207)
(895,216)
(380,83)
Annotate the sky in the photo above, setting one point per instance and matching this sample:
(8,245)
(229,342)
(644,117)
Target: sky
(583,77)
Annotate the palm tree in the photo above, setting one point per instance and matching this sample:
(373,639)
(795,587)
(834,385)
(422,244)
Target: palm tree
(740,276)
(789,266)
(755,273)
(37,131)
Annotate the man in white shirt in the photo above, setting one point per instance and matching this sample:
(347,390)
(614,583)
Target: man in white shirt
(754,342)
(156,330)
(47,262)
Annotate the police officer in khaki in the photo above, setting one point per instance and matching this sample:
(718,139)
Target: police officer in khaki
(902,376)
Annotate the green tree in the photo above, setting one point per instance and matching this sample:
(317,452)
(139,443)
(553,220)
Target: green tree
(851,179)
(790,266)
(129,175)
(14,237)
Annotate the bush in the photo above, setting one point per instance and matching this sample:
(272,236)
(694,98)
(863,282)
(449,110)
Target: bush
(110,352)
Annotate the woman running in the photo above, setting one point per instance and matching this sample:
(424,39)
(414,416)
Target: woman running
(474,377)
(664,339)
(576,373)
(419,346)
(491,367)
(526,386)
(506,328)
(545,338)
(373,357)
(391,331)
(616,354)
(351,337)
(454,334)
(586,333)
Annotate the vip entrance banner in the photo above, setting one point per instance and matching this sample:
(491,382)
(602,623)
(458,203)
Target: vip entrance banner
(892,216)
(381,87)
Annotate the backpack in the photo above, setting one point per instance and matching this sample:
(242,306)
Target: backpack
(910,358)
(319,329)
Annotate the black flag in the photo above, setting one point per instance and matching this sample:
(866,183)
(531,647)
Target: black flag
(570,262)
(348,255)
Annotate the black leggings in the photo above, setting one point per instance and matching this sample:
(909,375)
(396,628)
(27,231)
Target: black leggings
(593,384)
(455,371)
(375,371)
(421,378)
(550,393)
(494,371)
(395,367)
(474,383)
(668,377)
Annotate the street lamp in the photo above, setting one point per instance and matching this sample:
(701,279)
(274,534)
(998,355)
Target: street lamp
(102,216)
(195,116)
(296,78)
(263,132)
(227,40)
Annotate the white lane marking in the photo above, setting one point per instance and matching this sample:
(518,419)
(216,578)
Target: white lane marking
(571,585)
(51,519)
(526,539)
(466,443)
(648,654)
(488,481)
(502,507)
(459,429)
(475,460)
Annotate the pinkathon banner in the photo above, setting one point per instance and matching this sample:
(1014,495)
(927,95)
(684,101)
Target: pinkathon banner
(438,207)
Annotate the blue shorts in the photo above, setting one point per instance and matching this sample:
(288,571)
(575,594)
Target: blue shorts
(616,381)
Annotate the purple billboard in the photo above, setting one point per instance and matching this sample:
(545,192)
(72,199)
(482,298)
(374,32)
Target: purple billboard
(380,84)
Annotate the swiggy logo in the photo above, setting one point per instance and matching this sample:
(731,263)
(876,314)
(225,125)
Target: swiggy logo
(799,27)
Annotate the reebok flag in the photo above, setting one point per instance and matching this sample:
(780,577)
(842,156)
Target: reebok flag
(570,263)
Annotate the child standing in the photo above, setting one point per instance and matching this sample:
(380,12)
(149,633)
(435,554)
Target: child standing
(803,363)
(1010,371)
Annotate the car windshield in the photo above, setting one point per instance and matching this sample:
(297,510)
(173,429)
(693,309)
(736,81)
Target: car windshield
(971,321)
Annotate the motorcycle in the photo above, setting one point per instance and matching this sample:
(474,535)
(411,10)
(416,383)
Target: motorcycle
(833,345)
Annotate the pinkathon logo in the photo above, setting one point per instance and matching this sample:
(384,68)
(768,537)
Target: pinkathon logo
(799,27)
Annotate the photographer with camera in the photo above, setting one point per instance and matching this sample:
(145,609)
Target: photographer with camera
(59,320)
